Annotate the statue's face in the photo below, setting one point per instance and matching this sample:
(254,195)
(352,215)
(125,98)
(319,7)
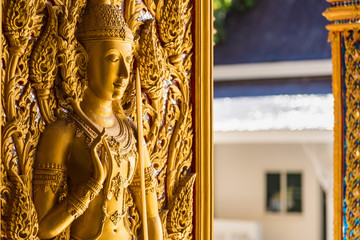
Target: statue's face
(108,69)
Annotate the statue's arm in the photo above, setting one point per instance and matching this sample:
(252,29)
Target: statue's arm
(52,153)
(54,216)
(152,210)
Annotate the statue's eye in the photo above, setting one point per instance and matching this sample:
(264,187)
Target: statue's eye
(113,57)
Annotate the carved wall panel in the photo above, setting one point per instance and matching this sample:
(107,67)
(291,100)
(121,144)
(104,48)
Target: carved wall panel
(44,74)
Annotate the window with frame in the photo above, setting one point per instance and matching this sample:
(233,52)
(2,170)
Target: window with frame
(284,192)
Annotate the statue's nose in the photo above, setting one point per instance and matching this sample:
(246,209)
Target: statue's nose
(123,69)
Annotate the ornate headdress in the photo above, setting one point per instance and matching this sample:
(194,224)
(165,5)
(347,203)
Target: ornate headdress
(103,21)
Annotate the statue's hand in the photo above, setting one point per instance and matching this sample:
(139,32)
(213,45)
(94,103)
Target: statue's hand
(99,172)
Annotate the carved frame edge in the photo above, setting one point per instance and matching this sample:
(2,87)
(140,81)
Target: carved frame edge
(337,83)
(203,115)
(0,87)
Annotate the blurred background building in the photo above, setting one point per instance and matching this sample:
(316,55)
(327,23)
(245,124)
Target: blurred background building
(273,120)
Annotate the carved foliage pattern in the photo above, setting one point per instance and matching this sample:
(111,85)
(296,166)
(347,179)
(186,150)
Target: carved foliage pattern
(179,224)
(352,111)
(170,55)
(43,73)
(21,125)
(163,56)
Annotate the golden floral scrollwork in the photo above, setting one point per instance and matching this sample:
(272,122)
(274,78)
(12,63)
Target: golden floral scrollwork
(43,68)
(72,57)
(132,14)
(22,223)
(133,218)
(175,28)
(21,125)
(163,56)
(352,100)
(151,60)
(179,224)
(176,15)
(22,20)
(152,6)
(43,76)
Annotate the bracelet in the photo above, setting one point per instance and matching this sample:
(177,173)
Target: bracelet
(92,188)
(75,206)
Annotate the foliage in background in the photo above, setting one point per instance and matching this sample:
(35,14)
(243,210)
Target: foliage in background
(222,8)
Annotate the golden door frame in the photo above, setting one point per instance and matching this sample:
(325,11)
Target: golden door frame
(204,206)
(203,90)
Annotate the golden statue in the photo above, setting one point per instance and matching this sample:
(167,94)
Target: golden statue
(73,164)
(88,159)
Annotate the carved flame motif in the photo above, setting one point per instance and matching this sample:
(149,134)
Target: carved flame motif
(163,55)
(179,219)
(44,70)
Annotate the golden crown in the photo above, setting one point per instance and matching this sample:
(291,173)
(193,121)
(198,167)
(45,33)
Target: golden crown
(103,21)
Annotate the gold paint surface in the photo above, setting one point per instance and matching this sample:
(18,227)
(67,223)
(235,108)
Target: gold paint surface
(69,160)
(204,120)
(340,13)
(338,133)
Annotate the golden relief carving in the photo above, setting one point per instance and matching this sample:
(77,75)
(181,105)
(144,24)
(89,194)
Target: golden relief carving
(351,77)
(69,147)
(179,223)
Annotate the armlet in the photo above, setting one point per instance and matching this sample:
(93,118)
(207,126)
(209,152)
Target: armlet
(50,176)
(150,181)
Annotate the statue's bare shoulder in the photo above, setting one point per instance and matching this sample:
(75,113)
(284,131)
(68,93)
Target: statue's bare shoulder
(55,142)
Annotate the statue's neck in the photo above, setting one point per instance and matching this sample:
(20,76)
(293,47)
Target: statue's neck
(97,110)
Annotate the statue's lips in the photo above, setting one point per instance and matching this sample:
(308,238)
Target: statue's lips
(118,85)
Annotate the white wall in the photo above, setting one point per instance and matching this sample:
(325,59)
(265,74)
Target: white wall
(240,189)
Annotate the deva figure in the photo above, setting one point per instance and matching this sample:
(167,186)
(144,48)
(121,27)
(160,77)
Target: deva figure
(87,160)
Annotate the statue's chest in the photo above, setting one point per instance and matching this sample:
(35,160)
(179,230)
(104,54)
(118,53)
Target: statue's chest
(121,159)
(118,154)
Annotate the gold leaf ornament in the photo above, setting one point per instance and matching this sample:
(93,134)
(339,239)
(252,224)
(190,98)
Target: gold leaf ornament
(179,220)
(43,70)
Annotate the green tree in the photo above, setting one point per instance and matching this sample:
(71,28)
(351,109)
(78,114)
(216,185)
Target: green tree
(222,8)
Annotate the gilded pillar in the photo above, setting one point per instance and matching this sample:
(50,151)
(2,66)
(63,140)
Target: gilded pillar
(345,40)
